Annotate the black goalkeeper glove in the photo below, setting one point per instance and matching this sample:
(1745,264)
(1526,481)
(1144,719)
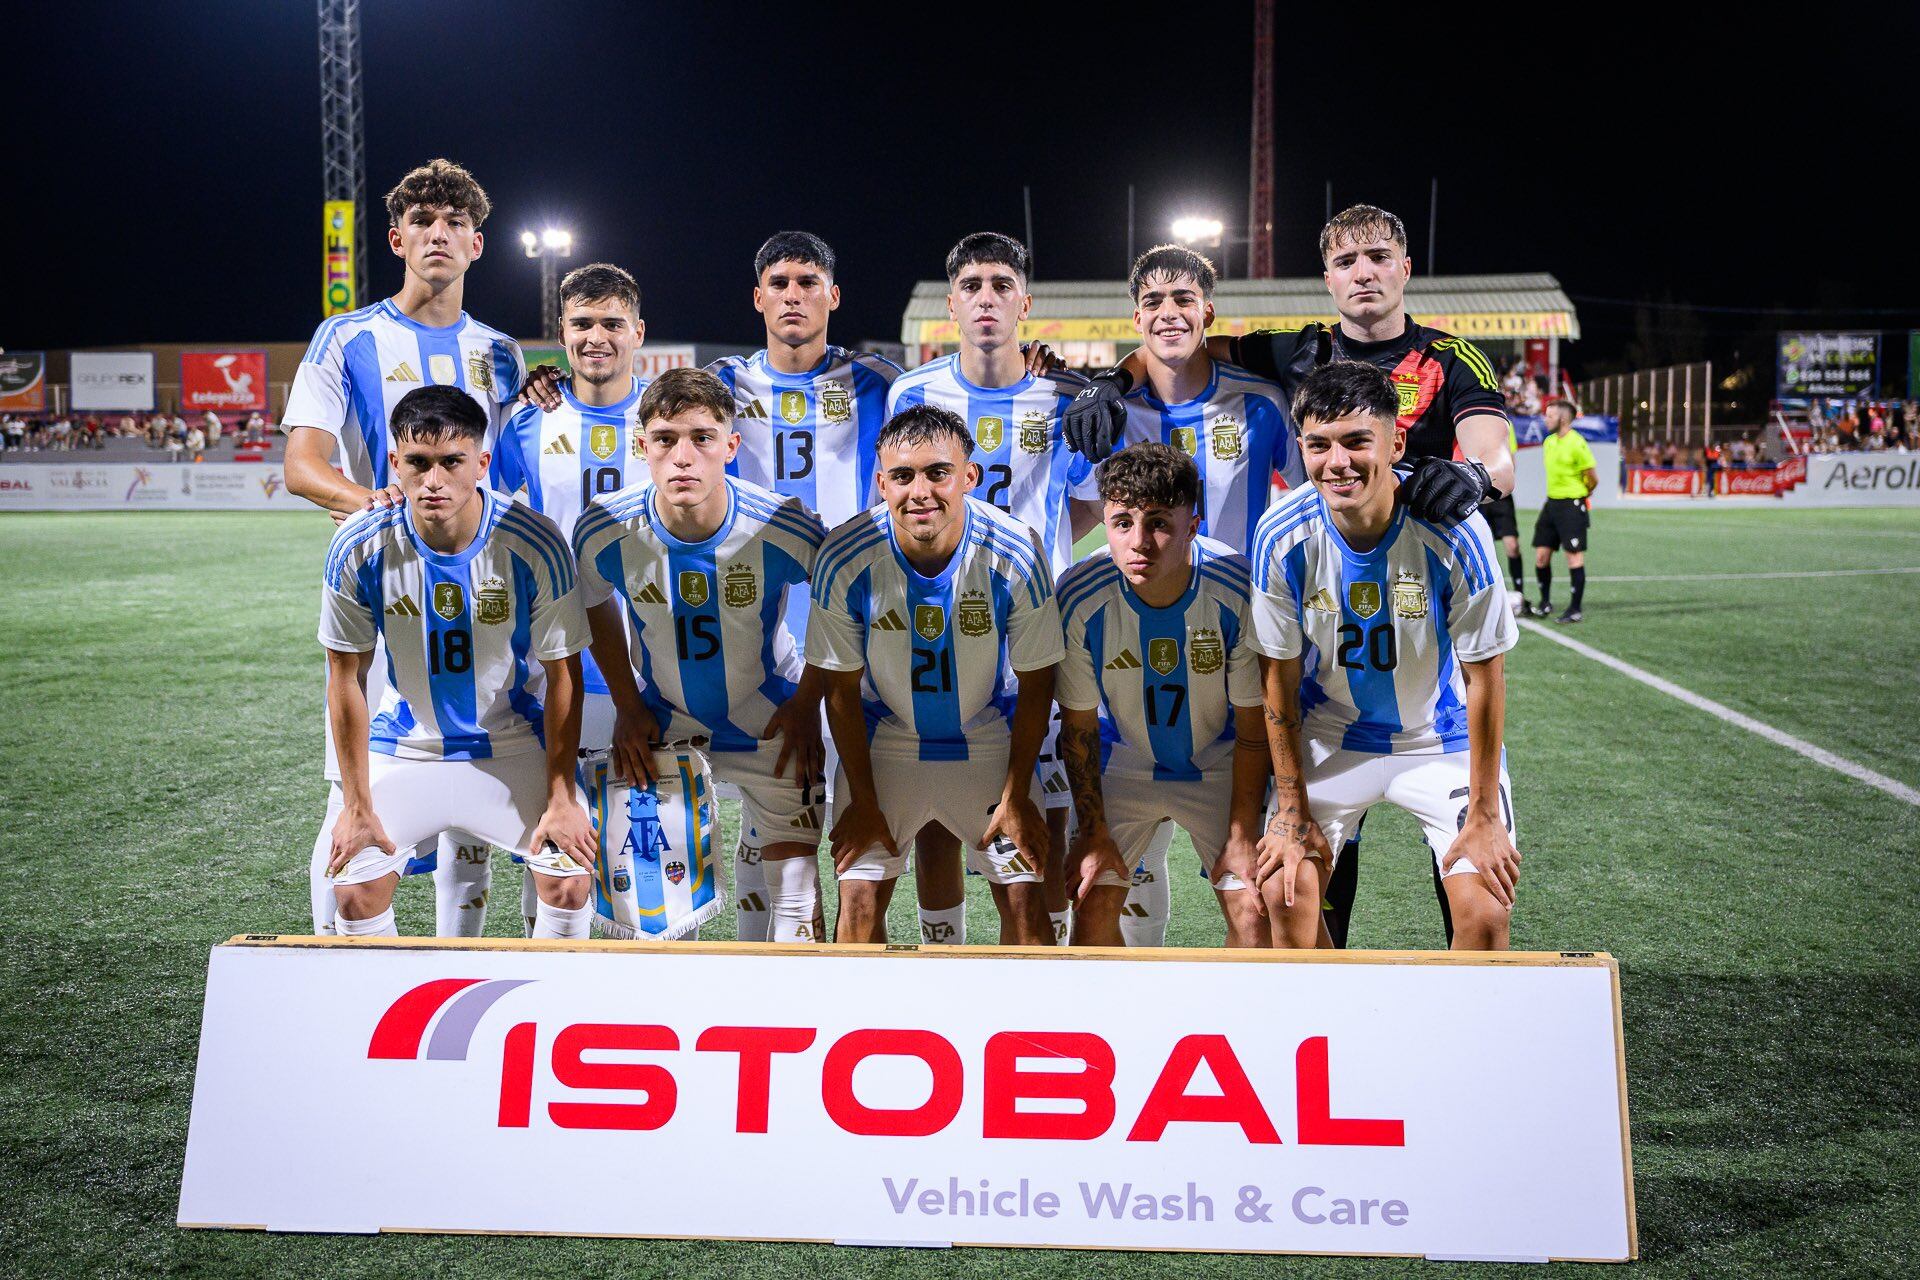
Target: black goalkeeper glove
(1444,492)
(1096,420)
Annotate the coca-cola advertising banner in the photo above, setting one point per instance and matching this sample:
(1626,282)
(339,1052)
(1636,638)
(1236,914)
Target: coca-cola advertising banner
(1270,1102)
(224,381)
(1676,482)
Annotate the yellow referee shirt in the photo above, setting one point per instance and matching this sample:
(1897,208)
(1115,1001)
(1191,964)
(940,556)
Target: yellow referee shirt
(1567,459)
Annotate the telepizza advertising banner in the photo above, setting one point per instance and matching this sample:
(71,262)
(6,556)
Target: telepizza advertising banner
(23,381)
(1323,1102)
(224,381)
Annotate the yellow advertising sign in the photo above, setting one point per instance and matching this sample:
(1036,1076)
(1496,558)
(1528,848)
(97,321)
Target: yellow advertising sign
(1465,324)
(336,238)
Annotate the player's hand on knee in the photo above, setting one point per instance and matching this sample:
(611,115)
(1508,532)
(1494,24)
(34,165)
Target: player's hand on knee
(1444,492)
(543,387)
(1095,420)
(1238,858)
(798,727)
(1284,847)
(357,831)
(1091,855)
(860,828)
(1018,820)
(1485,842)
(566,826)
(632,751)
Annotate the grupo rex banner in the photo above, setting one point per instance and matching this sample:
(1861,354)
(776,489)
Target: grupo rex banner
(1277,1102)
(223,381)
(111,380)
(1828,364)
(23,381)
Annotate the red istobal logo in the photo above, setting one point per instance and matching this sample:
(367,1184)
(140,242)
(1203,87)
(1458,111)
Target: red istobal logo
(464,1000)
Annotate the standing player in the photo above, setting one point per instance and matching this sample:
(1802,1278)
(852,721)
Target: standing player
(1571,477)
(1160,691)
(1028,472)
(474,595)
(808,414)
(353,375)
(1448,398)
(919,607)
(1504,523)
(1384,635)
(703,563)
(585,446)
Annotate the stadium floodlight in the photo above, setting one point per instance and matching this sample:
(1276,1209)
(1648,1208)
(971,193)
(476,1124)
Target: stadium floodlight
(558,241)
(1197,230)
(531,243)
(549,246)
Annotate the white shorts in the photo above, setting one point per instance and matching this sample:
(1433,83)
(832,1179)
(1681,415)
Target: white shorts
(1432,786)
(656,877)
(596,724)
(960,795)
(1052,775)
(500,801)
(1202,808)
(772,810)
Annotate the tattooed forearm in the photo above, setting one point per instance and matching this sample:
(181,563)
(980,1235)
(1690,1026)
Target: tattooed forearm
(1079,748)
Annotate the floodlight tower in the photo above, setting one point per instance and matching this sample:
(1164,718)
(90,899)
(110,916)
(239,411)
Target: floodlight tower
(1260,198)
(342,123)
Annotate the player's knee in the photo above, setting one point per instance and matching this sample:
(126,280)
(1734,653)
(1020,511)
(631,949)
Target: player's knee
(363,901)
(567,892)
(1480,923)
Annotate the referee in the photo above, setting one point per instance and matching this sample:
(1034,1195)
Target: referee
(1571,476)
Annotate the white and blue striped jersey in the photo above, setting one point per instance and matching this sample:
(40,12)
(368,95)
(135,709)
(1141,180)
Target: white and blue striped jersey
(933,648)
(465,632)
(1381,633)
(710,641)
(1026,468)
(563,459)
(359,365)
(1238,432)
(1165,681)
(810,435)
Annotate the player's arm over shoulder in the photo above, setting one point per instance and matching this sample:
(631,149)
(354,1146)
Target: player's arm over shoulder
(1267,353)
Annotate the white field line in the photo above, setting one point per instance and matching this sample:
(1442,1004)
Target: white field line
(1730,577)
(1720,711)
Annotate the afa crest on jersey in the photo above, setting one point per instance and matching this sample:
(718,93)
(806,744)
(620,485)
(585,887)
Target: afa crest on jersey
(1163,655)
(836,405)
(448,600)
(1409,597)
(1186,441)
(492,604)
(693,587)
(1228,438)
(1364,598)
(1034,435)
(793,407)
(975,615)
(603,440)
(989,432)
(480,371)
(1205,653)
(739,588)
(929,621)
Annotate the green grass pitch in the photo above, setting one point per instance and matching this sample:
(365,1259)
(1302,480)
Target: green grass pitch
(159,732)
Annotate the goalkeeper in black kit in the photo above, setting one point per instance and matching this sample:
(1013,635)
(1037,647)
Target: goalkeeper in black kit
(1450,404)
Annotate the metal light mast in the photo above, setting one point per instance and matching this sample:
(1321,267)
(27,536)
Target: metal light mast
(342,128)
(1260,200)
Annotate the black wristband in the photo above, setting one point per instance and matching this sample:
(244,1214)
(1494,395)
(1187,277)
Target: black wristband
(1117,375)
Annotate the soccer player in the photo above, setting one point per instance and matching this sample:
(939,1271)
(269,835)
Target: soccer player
(703,563)
(1448,398)
(1571,477)
(354,373)
(1028,472)
(589,444)
(1384,635)
(1160,693)
(919,606)
(474,596)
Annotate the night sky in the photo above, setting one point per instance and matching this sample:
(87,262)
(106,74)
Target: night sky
(165,182)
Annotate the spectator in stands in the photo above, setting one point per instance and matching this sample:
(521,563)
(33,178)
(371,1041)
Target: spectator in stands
(1511,385)
(197,443)
(1816,416)
(60,434)
(1710,456)
(90,433)
(157,427)
(12,432)
(211,425)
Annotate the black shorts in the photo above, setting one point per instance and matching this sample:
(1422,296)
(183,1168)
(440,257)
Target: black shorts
(1500,517)
(1562,525)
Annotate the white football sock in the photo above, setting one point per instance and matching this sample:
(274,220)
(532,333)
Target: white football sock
(1143,921)
(561,922)
(320,888)
(1062,926)
(529,902)
(793,890)
(750,893)
(380,926)
(461,885)
(946,928)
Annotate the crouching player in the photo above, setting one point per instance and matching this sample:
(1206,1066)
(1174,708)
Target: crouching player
(929,597)
(702,563)
(1383,637)
(1160,688)
(474,597)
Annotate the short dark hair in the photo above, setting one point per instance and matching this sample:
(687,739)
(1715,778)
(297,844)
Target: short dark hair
(1360,224)
(989,246)
(921,424)
(677,390)
(1343,388)
(794,246)
(433,413)
(1560,402)
(1172,261)
(1150,474)
(436,184)
(599,281)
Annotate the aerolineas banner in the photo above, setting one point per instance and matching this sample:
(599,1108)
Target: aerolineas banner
(1383,1103)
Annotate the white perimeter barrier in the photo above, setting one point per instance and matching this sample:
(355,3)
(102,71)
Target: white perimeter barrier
(1404,1103)
(1858,480)
(157,486)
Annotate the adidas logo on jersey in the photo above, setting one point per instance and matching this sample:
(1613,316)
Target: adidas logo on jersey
(1125,662)
(651,594)
(752,409)
(1323,601)
(404,607)
(561,445)
(889,621)
(403,372)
